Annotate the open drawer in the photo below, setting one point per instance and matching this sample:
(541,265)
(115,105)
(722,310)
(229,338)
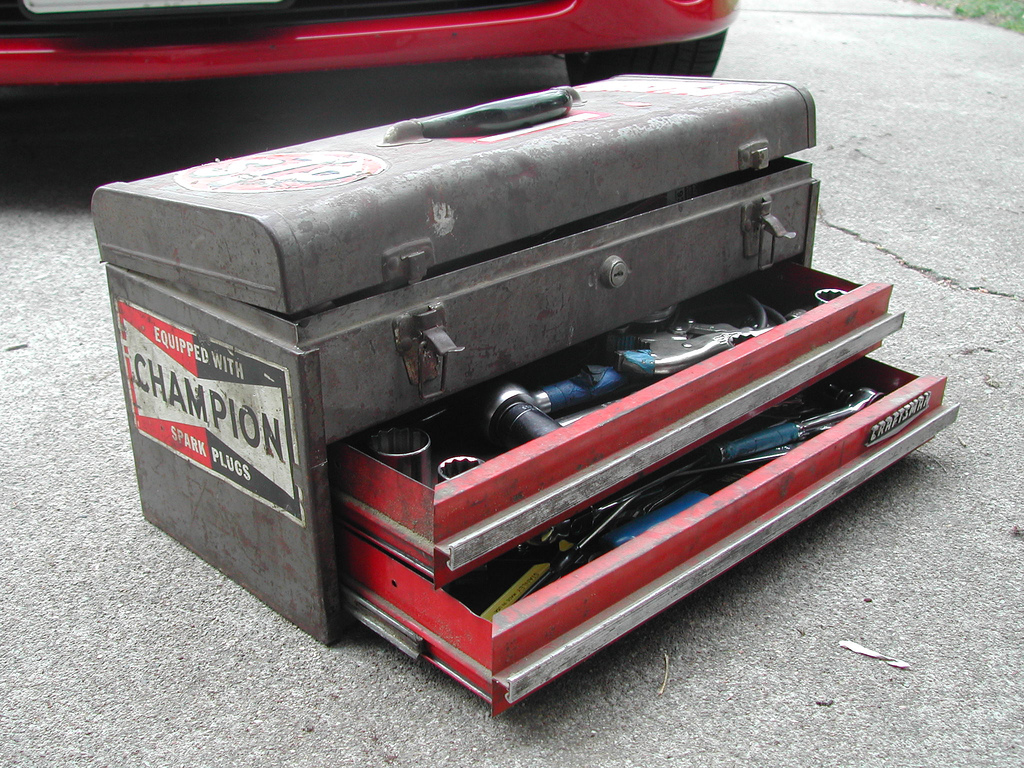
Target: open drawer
(446,530)
(532,641)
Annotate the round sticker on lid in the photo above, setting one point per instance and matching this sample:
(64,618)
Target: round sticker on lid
(281,172)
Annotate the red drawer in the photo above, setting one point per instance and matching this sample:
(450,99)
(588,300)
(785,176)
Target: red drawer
(546,633)
(448,530)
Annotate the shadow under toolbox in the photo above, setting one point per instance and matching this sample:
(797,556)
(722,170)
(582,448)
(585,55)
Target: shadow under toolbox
(501,384)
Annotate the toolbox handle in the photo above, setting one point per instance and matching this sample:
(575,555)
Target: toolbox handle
(486,119)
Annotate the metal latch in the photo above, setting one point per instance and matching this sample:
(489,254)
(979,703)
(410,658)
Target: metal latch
(424,344)
(757,217)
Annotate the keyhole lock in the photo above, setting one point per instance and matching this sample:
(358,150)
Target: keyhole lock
(614,272)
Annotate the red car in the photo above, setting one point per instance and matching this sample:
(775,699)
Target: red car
(89,41)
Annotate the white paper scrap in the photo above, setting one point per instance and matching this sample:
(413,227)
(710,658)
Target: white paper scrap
(851,646)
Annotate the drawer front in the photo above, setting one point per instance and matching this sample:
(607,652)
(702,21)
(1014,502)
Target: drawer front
(451,528)
(546,633)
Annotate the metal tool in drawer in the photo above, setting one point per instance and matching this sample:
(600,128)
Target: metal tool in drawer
(650,348)
(687,481)
(292,229)
(660,345)
(508,414)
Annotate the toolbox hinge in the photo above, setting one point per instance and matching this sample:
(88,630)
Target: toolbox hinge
(424,344)
(408,263)
(756,217)
(754,155)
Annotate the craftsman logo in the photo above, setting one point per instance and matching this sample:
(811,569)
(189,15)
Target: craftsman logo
(281,172)
(221,409)
(668,86)
(899,418)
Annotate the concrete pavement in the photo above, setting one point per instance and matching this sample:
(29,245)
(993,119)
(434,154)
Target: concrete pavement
(120,648)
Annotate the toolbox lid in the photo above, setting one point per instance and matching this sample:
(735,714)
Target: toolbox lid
(291,229)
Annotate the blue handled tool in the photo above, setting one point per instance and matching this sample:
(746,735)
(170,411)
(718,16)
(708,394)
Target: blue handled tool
(634,528)
(790,432)
(773,437)
(593,383)
(670,352)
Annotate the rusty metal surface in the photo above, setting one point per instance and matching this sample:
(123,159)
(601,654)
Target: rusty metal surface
(290,229)
(551,297)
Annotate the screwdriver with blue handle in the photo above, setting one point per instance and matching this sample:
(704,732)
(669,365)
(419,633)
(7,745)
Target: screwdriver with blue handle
(593,383)
(762,445)
(790,432)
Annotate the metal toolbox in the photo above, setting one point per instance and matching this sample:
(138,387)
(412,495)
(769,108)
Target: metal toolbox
(276,313)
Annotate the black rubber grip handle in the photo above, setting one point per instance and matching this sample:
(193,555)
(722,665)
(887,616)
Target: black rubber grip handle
(486,119)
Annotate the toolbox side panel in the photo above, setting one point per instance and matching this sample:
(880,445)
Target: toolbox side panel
(209,493)
(407,502)
(388,581)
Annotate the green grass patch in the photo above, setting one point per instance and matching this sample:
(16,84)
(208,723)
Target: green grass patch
(1003,13)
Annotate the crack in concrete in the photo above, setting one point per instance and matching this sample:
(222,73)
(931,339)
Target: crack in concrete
(936,277)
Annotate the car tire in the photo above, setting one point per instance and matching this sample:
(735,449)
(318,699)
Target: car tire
(694,57)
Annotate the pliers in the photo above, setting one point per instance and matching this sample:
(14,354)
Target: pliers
(660,354)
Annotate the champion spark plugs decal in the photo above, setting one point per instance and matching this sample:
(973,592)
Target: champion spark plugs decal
(215,406)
